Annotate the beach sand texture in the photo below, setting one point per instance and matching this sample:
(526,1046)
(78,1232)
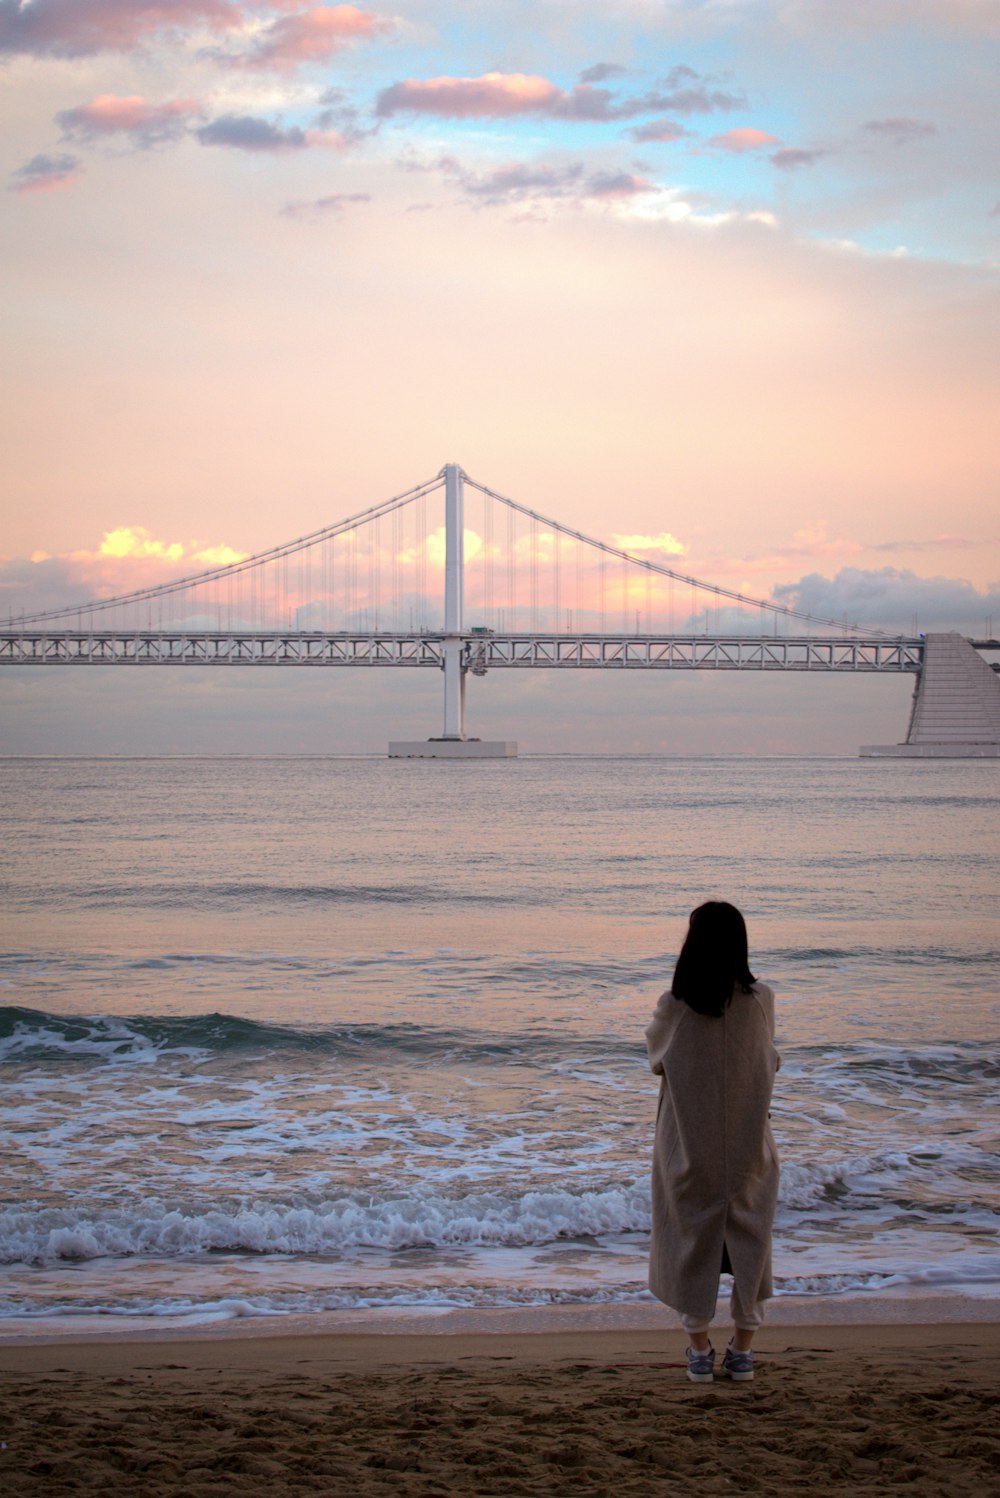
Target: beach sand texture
(841,1410)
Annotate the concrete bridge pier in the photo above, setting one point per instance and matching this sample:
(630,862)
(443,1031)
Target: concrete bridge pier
(956,706)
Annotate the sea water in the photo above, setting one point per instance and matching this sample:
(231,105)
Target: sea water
(305,1035)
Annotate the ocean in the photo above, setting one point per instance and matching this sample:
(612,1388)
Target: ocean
(316,1035)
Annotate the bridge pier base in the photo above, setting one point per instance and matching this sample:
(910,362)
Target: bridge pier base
(956,706)
(452,749)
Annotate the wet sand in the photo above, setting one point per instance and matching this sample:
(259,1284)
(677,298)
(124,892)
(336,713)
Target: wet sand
(834,1409)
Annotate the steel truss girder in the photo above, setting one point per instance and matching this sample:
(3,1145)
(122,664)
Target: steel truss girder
(479,653)
(699,653)
(216,648)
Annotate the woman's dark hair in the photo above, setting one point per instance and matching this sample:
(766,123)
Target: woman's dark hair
(713,961)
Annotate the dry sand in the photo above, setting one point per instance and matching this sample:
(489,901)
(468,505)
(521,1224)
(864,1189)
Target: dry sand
(833,1410)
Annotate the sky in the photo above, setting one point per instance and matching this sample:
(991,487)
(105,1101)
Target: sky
(720,273)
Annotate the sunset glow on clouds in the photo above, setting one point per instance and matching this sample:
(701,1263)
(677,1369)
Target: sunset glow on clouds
(723,274)
(313,36)
(148,124)
(135,541)
(494,95)
(744,138)
(44,173)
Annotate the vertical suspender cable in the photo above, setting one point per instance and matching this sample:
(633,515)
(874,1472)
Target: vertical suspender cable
(422,559)
(376,570)
(510,570)
(334,607)
(397,522)
(556,582)
(489,612)
(533,573)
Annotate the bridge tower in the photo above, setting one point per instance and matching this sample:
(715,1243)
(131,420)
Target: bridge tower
(453,743)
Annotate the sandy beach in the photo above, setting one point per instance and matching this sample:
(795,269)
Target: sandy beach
(852,1407)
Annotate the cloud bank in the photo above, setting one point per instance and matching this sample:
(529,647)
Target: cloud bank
(897,600)
(82,28)
(506,95)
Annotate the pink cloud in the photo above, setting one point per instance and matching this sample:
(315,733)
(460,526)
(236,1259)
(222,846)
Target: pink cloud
(111,114)
(79,28)
(46,174)
(314,35)
(492,95)
(501,95)
(743,138)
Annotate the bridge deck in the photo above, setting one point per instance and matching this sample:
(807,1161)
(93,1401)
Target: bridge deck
(480,652)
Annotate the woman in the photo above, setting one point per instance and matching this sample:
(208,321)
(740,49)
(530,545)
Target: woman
(715,1166)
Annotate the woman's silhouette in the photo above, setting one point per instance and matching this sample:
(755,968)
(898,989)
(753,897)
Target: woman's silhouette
(715,1165)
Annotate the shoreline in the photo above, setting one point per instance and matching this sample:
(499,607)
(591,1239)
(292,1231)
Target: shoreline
(903,1308)
(359,1350)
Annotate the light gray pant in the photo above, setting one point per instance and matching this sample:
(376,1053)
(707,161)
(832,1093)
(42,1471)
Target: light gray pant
(743,1320)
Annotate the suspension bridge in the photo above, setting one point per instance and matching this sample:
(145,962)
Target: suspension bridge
(452,576)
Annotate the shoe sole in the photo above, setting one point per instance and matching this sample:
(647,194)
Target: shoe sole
(738,1378)
(700,1378)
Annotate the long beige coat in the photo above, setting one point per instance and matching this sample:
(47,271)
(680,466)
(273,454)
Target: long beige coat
(715,1165)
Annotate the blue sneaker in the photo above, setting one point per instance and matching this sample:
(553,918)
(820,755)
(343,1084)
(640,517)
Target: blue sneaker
(738,1365)
(700,1365)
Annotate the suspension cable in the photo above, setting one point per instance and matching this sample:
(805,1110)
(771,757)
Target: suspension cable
(232,569)
(693,582)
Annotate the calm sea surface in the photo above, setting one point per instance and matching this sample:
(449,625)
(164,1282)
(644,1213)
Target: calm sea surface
(285,1035)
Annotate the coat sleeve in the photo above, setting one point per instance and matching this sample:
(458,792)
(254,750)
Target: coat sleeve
(661,1030)
(767,999)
